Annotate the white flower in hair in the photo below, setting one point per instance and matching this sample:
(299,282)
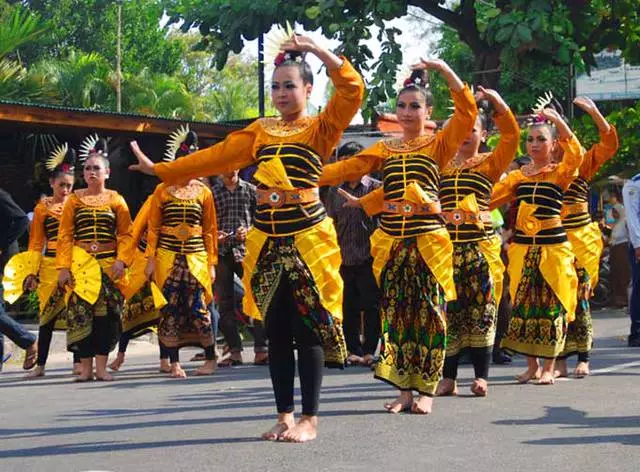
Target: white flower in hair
(275,39)
(88,147)
(175,141)
(542,102)
(57,156)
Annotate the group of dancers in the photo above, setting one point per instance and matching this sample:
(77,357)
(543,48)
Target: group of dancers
(436,256)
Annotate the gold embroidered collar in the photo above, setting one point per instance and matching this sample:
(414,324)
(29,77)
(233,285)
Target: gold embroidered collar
(186,192)
(282,129)
(53,209)
(529,170)
(400,145)
(102,199)
(468,164)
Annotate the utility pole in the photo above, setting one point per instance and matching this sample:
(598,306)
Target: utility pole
(118,58)
(261,75)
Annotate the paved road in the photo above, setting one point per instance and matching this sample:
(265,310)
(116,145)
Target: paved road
(146,422)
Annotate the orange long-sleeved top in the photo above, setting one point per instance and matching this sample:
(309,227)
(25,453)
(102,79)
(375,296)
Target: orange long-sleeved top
(139,232)
(44,227)
(191,205)
(100,218)
(416,161)
(544,189)
(578,191)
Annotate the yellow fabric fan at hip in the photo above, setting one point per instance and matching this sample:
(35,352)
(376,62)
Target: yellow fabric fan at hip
(17,269)
(87,276)
(158,298)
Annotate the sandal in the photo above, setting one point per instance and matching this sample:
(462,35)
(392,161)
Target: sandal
(229,362)
(30,358)
(261,359)
(198,357)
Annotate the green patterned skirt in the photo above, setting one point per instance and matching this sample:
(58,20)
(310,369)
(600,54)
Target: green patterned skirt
(140,313)
(471,318)
(580,330)
(413,322)
(538,324)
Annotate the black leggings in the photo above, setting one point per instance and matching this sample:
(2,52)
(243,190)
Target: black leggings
(124,343)
(98,343)
(45,334)
(582,357)
(174,353)
(480,357)
(284,324)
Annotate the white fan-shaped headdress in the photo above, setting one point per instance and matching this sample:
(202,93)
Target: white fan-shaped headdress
(57,156)
(88,147)
(274,41)
(542,102)
(175,141)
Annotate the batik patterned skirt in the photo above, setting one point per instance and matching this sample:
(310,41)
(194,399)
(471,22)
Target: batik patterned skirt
(280,258)
(413,321)
(80,316)
(140,313)
(471,318)
(538,324)
(185,320)
(580,330)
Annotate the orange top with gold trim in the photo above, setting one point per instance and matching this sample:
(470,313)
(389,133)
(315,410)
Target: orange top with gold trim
(44,227)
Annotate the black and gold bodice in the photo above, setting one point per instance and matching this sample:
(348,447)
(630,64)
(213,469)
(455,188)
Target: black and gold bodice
(303,167)
(177,213)
(96,224)
(399,171)
(547,197)
(454,187)
(142,242)
(51,225)
(577,193)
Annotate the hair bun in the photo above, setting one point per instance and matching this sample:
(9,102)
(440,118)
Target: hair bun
(418,78)
(288,56)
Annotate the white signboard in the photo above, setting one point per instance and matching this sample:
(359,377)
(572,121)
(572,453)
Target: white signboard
(612,79)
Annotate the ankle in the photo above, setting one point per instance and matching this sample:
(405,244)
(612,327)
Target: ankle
(311,419)
(286,418)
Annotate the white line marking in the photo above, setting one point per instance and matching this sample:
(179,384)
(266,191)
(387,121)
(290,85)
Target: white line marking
(615,368)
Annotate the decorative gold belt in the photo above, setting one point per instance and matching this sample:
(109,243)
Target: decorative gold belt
(182,231)
(95,247)
(407,208)
(277,198)
(458,217)
(574,208)
(532,225)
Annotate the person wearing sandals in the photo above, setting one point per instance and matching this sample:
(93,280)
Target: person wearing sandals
(141,308)
(182,252)
(543,280)
(93,243)
(586,239)
(412,252)
(13,223)
(291,269)
(465,191)
(43,238)
(361,294)
(235,202)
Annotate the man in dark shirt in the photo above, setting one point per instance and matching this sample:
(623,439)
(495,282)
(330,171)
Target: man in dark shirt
(361,293)
(13,223)
(235,202)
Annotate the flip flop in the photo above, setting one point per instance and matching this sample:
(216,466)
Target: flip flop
(228,362)
(30,359)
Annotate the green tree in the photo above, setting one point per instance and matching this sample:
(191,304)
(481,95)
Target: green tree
(553,30)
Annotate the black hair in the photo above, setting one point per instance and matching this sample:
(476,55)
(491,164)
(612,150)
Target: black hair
(66,167)
(101,150)
(295,59)
(555,105)
(418,81)
(189,145)
(523,160)
(350,148)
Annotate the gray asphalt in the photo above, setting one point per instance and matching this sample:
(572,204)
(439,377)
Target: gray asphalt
(147,422)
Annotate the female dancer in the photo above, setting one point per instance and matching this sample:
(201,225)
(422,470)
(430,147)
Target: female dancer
(291,270)
(182,251)
(95,220)
(465,192)
(43,236)
(543,279)
(586,240)
(412,252)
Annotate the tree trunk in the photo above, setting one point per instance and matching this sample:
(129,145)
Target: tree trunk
(487,67)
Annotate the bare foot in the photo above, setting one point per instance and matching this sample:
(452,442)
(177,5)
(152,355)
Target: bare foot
(77,369)
(165,367)
(261,358)
(177,372)
(447,388)
(480,388)
(284,423)
(547,378)
(353,359)
(35,373)
(368,360)
(561,369)
(305,430)
(529,374)
(423,405)
(582,370)
(84,377)
(104,376)
(117,363)
(208,368)
(402,403)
